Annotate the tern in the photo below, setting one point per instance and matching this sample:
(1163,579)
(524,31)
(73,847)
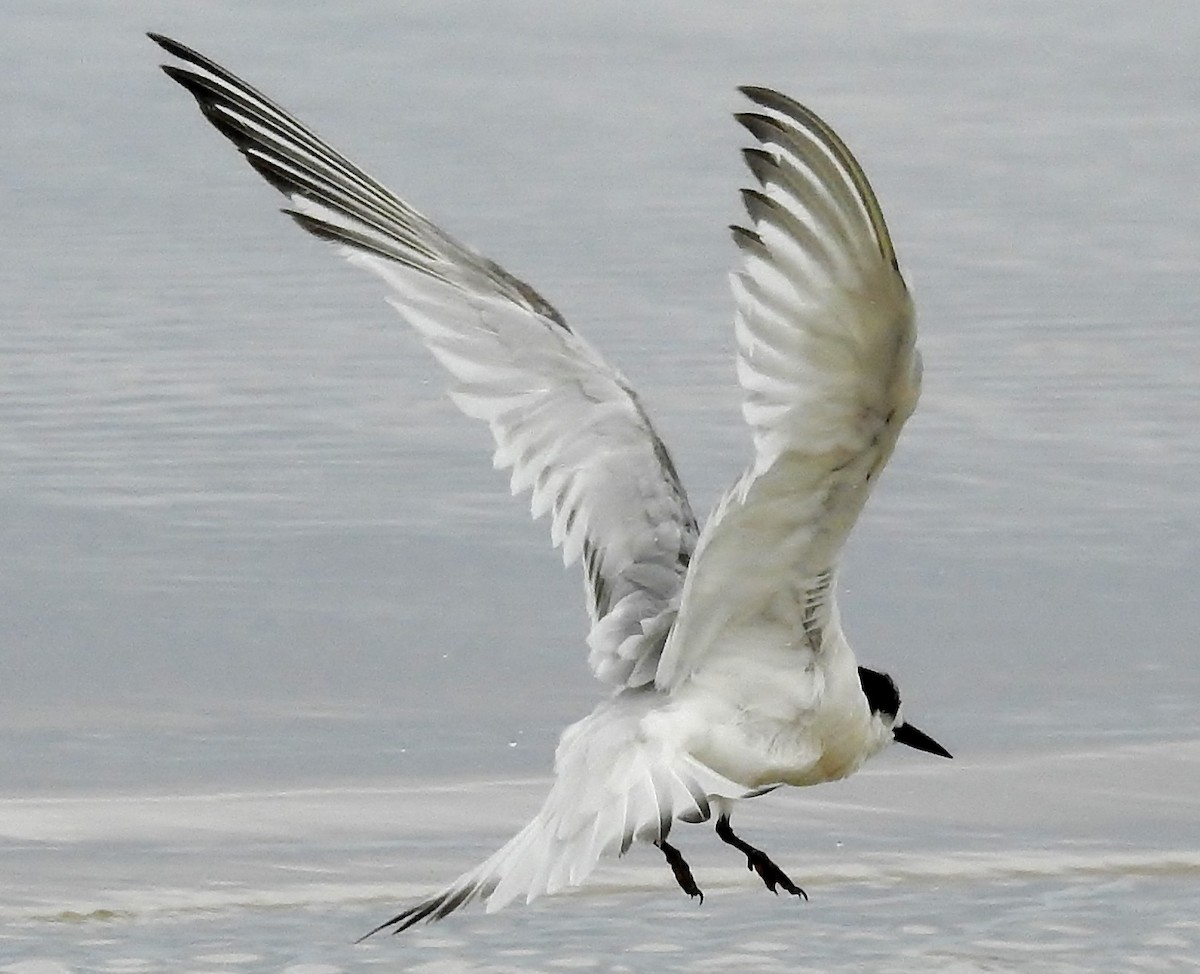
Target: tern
(724,649)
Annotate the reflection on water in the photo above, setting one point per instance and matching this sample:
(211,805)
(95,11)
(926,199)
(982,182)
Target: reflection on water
(250,551)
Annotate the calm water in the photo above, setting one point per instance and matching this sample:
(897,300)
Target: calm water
(276,649)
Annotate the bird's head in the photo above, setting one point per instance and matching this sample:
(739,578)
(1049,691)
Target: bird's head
(884,700)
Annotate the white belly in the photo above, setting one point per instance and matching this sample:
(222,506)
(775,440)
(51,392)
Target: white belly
(780,716)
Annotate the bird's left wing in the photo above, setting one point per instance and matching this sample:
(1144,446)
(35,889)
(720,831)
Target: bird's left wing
(564,420)
(621,775)
(827,359)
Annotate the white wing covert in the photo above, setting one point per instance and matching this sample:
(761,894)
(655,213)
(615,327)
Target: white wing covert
(566,422)
(827,359)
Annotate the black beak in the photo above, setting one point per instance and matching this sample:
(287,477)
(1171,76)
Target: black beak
(907,734)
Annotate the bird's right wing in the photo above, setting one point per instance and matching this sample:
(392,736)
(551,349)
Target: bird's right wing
(564,420)
(828,363)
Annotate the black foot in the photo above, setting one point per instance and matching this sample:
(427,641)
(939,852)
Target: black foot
(771,874)
(679,866)
(759,862)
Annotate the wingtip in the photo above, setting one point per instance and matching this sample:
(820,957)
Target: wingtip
(371,933)
(776,101)
(181,51)
(401,921)
(762,127)
(176,73)
(429,911)
(191,56)
(168,44)
(768,98)
(753,92)
(163,41)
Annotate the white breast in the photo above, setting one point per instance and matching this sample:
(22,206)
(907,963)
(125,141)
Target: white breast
(772,711)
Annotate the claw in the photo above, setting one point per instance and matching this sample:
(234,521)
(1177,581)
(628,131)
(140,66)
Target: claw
(758,861)
(683,872)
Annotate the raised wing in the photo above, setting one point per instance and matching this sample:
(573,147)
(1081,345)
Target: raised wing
(565,421)
(827,359)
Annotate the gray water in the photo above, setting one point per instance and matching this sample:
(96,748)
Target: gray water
(277,651)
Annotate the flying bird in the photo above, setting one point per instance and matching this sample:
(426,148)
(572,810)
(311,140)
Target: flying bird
(729,671)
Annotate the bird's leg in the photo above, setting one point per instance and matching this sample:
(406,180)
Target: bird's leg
(758,861)
(679,866)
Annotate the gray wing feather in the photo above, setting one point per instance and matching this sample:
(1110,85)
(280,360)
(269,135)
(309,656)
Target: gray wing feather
(829,369)
(565,422)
